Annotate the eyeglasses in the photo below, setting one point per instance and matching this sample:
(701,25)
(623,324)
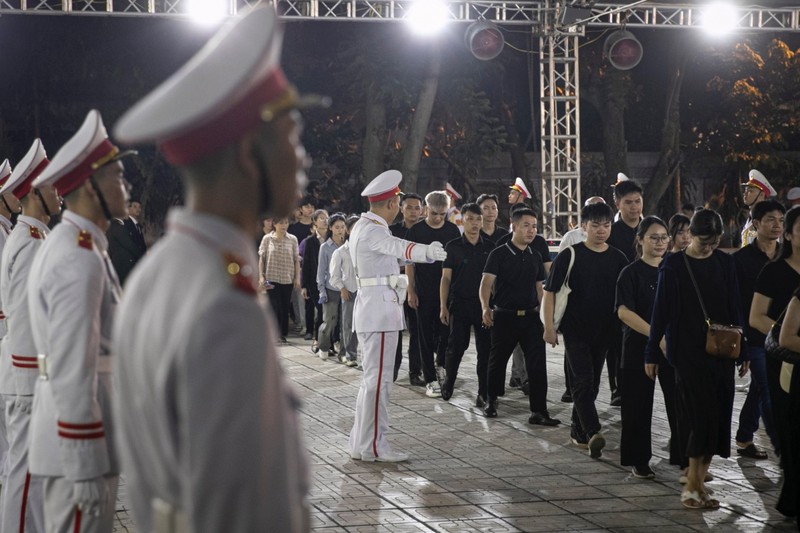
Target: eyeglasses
(655,239)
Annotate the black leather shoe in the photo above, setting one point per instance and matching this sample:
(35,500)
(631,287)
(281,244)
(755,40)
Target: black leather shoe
(447,390)
(490,410)
(543,419)
(480,401)
(566,397)
(417,381)
(514,383)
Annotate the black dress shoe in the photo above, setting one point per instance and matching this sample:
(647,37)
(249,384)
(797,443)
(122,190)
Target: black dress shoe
(447,390)
(417,381)
(490,410)
(566,397)
(514,383)
(480,401)
(543,419)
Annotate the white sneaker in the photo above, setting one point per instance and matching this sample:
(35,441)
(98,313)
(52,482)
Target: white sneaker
(432,390)
(392,457)
(351,363)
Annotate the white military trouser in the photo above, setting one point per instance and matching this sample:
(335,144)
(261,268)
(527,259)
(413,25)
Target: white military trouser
(63,516)
(22,493)
(368,436)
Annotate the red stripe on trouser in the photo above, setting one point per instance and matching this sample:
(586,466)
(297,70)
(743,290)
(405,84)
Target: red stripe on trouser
(378,402)
(24,502)
(77,520)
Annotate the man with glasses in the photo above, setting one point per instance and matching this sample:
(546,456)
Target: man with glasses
(423,290)
(757,189)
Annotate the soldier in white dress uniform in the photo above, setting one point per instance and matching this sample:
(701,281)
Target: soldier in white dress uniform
(757,189)
(72,293)
(378,313)
(208,426)
(9,205)
(22,494)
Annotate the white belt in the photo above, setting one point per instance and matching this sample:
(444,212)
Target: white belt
(373,282)
(103,365)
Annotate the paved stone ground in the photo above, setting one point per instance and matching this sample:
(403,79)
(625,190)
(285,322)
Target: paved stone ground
(469,473)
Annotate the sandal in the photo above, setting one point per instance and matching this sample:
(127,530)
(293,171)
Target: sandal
(752,451)
(695,500)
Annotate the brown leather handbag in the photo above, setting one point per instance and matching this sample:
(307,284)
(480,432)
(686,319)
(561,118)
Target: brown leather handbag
(723,342)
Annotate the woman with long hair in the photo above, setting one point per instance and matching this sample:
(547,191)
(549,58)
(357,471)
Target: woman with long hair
(329,295)
(700,276)
(636,292)
(309,250)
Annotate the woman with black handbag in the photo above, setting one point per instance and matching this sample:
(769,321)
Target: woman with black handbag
(698,289)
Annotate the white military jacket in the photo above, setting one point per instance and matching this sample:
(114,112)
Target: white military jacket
(207,422)
(5,231)
(18,365)
(72,294)
(375,251)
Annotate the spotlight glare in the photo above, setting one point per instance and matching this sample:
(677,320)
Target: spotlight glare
(427,17)
(207,12)
(719,18)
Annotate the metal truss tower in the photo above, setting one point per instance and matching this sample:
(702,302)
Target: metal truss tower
(558,56)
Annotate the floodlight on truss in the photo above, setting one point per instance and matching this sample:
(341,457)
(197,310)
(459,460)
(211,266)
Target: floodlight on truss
(427,17)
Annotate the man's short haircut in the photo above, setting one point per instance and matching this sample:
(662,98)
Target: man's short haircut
(597,213)
(307,200)
(411,196)
(706,223)
(625,188)
(767,206)
(483,197)
(471,207)
(524,212)
(351,221)
(437,199)
(688,206)
(516,207)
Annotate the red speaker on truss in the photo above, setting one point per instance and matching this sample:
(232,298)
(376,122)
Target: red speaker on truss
(484,40)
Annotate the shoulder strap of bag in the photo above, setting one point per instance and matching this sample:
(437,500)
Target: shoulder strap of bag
(696,288)
(571,262)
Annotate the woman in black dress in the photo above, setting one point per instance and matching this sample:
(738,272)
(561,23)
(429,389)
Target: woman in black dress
(636,292)
(704,383)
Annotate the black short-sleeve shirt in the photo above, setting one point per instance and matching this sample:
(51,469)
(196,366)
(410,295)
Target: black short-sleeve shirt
(466,261)
(427,276)
(777,281)
(590,309)
(498,234)
(749,262)
(538,245)
(623,238)
(399,229)
(517,272)
(636,290)
(299,230)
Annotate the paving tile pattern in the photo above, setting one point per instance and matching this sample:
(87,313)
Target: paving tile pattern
(468,473)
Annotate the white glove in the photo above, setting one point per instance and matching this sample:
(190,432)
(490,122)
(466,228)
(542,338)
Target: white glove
(435,252)
(89,495)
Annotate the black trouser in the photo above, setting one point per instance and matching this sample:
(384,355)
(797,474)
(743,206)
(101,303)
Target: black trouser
(432,336)
(637,414)
(508,330)
(782,415)
(463,316)
(585,367)
(280,298)
(614,359)
(312,323)
(414,365)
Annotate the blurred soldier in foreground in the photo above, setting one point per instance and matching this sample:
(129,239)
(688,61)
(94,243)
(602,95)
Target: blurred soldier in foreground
(72,294)
(208,429)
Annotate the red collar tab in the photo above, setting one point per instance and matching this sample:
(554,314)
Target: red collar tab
(85,240)
(238,273)
(35,233)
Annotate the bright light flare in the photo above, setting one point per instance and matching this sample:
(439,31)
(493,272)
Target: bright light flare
(719,18)
(427,17)
(207,12)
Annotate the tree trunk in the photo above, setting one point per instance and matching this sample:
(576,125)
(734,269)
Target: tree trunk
(412,151)
(669,159)
(375,134)
(616,88)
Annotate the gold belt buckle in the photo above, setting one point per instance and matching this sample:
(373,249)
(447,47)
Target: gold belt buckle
(520,312)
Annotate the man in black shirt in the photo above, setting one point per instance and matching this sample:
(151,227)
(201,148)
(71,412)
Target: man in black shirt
(489,211)
(459,302)
(410,209)
(629,202)
(516,272)
(301,228)
(767,219)
(589,320)
(423,290)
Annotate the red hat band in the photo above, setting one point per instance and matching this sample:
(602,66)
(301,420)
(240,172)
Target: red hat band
(763,188)
(25,187)
(227,127)
(519,191)
(98,157)
(384,195)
